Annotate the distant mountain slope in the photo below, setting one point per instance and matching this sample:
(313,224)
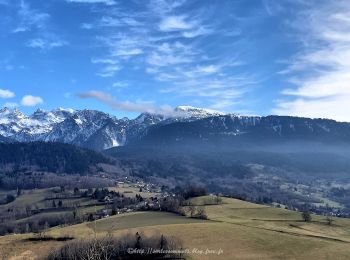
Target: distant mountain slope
(220,145)
(50,157)
(253,157)
(4,139)
(246,130)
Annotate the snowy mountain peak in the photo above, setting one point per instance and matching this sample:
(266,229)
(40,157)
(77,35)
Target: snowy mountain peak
(4,110)
(18,114)
(149,118)
(197,112)
(39,111)
(11,114)
(69,110)
(63,111)
(88,128)
(98,130)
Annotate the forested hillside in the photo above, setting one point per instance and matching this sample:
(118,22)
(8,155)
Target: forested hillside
(48,157)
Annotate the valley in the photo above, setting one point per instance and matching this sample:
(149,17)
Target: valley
(234,229)
(275,187)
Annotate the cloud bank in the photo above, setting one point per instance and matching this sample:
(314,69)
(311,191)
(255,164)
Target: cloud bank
(125,105)
(320,72)
(165,41)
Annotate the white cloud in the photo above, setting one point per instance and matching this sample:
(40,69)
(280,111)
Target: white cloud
(37,23)
(272,7)
(330,107)
(118,105)
(46,44)
(107,2)
(169,54)
(30,18)
(109,71)
(138,106)
(208,69)
(87,26)
(20,29)
(321,71)
(104,61)
(131,52)
(121,47)
(168,40)
(222,104)
(10,105)
(130,21)
(160,60)
(163,7)
(5,93)
(175,23)
(120,84)
(196,32)
(110,21)
(30,100)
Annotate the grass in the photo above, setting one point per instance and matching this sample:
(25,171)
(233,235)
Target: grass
(237,229)
(117,223)
(275,219)
(130,191)
(37,198)
(28,198)
(140,219)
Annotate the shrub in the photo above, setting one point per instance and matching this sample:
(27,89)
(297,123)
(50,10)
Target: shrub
(10,198)
(194,191)
(129,246)
(306,216)
(197,212)
(201,213)
(329,220)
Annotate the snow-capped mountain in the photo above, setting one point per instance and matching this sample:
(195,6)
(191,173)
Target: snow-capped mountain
(98,130)
(88,128)
(20,127)
(195,112)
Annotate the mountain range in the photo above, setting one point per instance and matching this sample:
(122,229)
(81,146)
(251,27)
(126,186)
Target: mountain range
(99,131)
(292,159)
(88,128)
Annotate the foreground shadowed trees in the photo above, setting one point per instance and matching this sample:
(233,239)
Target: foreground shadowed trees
(130,246)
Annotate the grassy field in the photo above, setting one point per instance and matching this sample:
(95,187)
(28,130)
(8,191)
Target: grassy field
(37,198)
(28,198)
(235,230)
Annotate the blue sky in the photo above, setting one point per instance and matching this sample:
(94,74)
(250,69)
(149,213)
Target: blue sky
(288,57)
